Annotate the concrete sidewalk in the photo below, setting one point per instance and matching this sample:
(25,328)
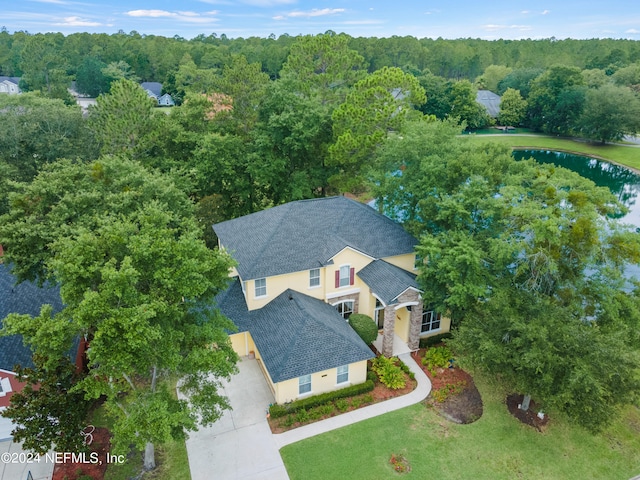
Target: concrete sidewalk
(420,393)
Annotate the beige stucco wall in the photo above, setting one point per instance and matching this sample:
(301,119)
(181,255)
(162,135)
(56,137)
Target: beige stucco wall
(401,327)
(406,261)
(242,343)
(321,382)
(298,281)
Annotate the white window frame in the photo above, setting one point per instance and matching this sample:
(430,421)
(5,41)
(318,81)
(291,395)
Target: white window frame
(342,371)
(433,318)
(314,280)
(257,289)
(5,386)
(304,382)
(347,279)
(341,311)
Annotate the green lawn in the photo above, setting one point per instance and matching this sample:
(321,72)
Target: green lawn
(495,447)
(625,155)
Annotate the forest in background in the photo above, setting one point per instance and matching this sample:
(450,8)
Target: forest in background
(261,122)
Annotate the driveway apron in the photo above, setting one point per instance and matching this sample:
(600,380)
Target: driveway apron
(239,445)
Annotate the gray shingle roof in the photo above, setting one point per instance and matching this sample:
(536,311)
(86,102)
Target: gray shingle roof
(153,87)
(25,298)
(306,234)
(295,334)
(387,281)
(490,101)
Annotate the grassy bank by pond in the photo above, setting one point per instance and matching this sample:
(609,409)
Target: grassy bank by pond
(497,446)
(624,155)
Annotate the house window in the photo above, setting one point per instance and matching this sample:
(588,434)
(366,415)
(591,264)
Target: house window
(314,277)
(345,276)
(5,386)
(261,287)
(430,321)
(304,384)
(345,309)
(343,374)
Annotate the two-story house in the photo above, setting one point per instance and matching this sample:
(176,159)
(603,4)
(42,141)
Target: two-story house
(302,269)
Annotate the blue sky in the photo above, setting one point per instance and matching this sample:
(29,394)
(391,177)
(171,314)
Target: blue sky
(514,19)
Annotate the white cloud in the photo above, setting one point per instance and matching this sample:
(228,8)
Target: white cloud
(187,16)
(310,13)
(546,12)
(77,22)
(632,30)
(150,13)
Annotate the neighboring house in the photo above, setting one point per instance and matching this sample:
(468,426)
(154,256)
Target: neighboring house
(490,101)
(302,269)
(10,85)
(166,101)
(24,298)
(153,89)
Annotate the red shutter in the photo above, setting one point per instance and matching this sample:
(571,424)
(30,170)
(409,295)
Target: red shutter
(337,278)
(352,274)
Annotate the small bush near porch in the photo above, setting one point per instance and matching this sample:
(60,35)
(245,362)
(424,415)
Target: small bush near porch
(364,326)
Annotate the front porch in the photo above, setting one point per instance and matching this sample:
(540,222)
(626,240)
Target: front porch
(399,347)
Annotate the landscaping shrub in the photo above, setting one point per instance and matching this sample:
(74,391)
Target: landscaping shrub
(437,357)
(436,339)
(390,374)
(364,326)
(277,411)
(342,404)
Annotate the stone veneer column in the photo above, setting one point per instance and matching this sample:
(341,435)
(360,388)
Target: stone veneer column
(388,331)
(415,325)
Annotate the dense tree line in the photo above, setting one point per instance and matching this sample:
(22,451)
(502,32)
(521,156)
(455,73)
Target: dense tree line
(266,121)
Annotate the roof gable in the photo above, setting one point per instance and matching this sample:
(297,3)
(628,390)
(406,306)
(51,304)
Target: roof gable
(295,334)
(387,281)
(306,234)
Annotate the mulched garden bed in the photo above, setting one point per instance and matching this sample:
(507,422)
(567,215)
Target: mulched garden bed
(380,393)
(528,417)
(454,394)
(74,471)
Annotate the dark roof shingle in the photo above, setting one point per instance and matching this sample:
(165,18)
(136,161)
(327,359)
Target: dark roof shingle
(24,298)
(295,334)
(306,234)
(387,281)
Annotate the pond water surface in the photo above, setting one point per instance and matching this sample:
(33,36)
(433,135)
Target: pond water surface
(623,183)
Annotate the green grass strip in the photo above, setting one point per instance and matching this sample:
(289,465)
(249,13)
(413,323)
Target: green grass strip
(628,156)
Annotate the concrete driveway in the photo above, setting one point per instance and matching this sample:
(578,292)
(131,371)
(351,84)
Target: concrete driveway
(11,468)
(239,445)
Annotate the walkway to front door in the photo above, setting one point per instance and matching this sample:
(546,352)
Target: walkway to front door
(399,347)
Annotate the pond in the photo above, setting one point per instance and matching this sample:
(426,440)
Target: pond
(623,183)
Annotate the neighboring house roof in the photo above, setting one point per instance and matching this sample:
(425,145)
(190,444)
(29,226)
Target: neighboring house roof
(166,99)
(387,281)
(15,80)
(490,101)
(295,334)
(306,234)
(9,85)
(154,87)
(24,298)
